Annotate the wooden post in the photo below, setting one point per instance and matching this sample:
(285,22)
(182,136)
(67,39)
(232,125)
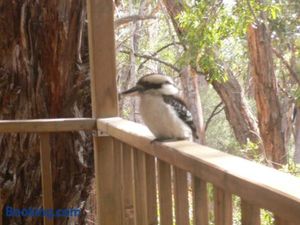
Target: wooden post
(222,207)
(181,197)
(104,104)
(281,221)
(200,201)
(102,58)
(45,151)
(165,193)
(128,189)
(250,214)
(140,189)
(1,212)
(151,190)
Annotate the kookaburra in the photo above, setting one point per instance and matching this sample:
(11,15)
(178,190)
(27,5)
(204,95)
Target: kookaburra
(162,110)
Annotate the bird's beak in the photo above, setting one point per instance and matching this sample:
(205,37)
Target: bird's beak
(132,91)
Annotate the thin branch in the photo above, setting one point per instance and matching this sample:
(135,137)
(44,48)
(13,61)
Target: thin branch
(158,51)
(286,93)
(293,73)
(154,59)
(133,18)
(213,114)
(252,12)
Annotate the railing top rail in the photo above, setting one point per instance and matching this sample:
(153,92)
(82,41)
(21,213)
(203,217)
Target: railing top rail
(47,125)
(260,185)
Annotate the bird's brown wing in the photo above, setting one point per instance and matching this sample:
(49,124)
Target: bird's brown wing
(182,111)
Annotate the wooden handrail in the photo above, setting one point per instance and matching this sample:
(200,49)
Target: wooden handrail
(257,184)
(47,125)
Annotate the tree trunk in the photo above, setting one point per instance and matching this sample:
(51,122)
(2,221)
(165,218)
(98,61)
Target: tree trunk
(237,111)
(268,107)
(40,75)
(295,74)
(297,136)
(189,81)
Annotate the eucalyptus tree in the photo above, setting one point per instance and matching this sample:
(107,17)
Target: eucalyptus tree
(43,74)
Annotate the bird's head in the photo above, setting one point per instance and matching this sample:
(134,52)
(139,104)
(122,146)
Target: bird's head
(153,84)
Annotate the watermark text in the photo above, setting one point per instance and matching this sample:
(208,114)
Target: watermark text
(38,212)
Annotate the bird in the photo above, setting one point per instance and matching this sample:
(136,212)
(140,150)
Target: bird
(162,110)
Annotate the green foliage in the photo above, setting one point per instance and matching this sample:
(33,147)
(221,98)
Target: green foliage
(252,11)
(206,25)
(296,94)
(251,150)
(292,168)
(266,217)
(237,214)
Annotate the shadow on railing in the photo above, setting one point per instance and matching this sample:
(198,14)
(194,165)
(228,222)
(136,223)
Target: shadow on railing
(144,183)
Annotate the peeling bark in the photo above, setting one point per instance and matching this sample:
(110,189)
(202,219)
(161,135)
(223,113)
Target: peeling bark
(40,78)
(266,97)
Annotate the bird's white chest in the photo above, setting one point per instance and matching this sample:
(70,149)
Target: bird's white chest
(162,119)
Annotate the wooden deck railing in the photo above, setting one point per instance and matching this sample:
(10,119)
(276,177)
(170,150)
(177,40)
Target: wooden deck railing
(44,127)
(258,186)
(144,183)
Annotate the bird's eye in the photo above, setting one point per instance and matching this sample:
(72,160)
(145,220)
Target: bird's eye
(167,82)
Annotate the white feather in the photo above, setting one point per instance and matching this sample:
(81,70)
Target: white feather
(162,119)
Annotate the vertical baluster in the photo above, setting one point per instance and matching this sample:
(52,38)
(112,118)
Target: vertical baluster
(140,188)
(250,214)
(1,212)
(118,176)
(128,203)
(222,207)
(281,221)
(165,193)
(181,197)
(200,202)
(108,202)
(45,152)
(151,190)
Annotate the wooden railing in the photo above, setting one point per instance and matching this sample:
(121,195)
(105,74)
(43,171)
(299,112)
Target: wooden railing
(144,183)
(44,127)
(183,168)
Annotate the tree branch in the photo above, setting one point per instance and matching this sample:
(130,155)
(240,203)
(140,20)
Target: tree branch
(213,114)
(287,65)
(252,12)
(133,18)
(149,57)
(158,51)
